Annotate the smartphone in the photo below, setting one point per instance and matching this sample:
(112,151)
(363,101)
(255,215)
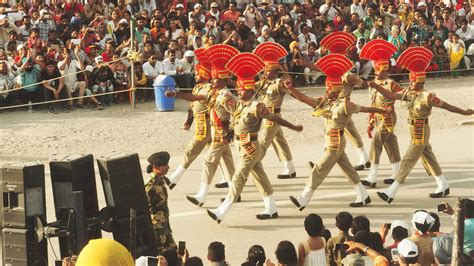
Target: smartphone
(152,261)
(181,247)
(388,225)
(395,256)
(441,207)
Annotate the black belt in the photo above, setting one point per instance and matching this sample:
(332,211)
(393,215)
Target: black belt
(412,121)
(252,138)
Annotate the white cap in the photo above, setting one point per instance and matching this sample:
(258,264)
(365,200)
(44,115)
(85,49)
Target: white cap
(189,53)
(89,68)
(43,12)
(2,17)
(421,4)
(19,47)
(422,217)
(407,248)
(214,4)
(123,21)
(197,6)
(179,6)
(99,59)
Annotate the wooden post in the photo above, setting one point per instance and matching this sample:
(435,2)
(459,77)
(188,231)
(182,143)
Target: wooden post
(132,67)
(458,241)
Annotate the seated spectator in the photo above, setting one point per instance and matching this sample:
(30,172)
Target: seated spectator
(188,63)
(173,68)
(29,74)
(361,32)
(434,229)
(379,30)
(256,256)
(422,222)
(104,252)
(312,250)
(152,68)
(121,81)
(216,253)
(311,56)
(362,67)
(7,82)
(306,37)
(101,81)
(69,66)
(286,254)
(343,223)
(53,89)
(265,35)
(465,33)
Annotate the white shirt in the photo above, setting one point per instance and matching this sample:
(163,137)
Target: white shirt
(188,67)
(152,71)
(332,11)
(358,9)
(71,68)
(468,35)
(303,42)
(169,68)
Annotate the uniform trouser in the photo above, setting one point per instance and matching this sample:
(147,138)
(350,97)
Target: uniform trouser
(274,135)
(351,132)
(384,139)
(164,240)
(414,152)
(216,151)
(326,163)
(250,165)
(194,148)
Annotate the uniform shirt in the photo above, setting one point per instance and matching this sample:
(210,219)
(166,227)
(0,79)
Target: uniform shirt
(157,197)
(340,112)
(421,103)
(201,107)
(221,112)
(272,92)
(380,101)
(247,118)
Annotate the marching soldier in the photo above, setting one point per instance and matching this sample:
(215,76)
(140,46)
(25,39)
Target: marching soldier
(202,134)
(271,92)
(380,52)
(157,196)
(419,104)
(339,43)
(221,108)
(247,120)
(336,109)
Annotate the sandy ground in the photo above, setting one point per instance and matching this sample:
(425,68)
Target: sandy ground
(39,136)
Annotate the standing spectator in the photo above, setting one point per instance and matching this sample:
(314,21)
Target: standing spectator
(121,81)
(312,250)
(343,223)
(456,53)
(293,57)
(7,82)
(67,68)
(45,25)
(53,89)
(216,254)
(232,14)
(29,75)
(140,80)
(101,81)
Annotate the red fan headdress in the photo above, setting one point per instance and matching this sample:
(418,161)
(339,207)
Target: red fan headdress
(270,53)
(219,55)
(338,42)
(416,60)
(204,66)
(334,66)
(379,51)
(245,66)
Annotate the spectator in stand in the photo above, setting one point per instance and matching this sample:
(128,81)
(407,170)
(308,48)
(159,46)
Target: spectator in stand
(232,14)
(305,37)
(53,87)
(188,63)
(141,30)
(361,32)
(311,56)
(101,81)
(379,30)
(214,12)
(399,231)
(29,74)
(312,250)
(329,10)
(252,16)
(371,18)
(362,67)
(343,223)
(197,15)
(45,25)
(152,68)
(357,8)
(122,32)
(173,68)
(211,28)
(389,15)
(7,82)
(465,33)
(396,39)
(67,68)
(216,254)
(265,36)
(448,21)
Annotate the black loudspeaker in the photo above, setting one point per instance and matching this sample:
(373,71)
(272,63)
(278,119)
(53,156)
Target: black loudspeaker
(124,189)
(76,173)
(23,214)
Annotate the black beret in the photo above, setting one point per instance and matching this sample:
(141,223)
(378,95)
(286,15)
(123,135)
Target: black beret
(159,158)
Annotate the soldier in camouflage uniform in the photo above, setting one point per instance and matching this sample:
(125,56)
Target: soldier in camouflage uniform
(419,103)
(157,196)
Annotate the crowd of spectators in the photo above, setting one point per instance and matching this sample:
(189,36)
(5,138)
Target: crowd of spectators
(418,242)
(47,39)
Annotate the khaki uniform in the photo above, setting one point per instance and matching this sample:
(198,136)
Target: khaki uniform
(419,106)
(246,123)
(336,114)
(220,115)
(157,196)
(350,130)
(384,136)
(202,134)
(272,93)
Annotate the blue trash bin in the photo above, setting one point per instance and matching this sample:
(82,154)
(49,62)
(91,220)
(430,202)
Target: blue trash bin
(161,84)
